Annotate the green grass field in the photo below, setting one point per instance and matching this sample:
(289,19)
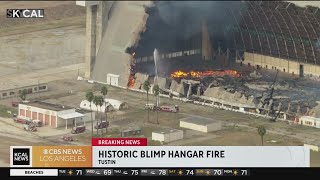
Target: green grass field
(4,111)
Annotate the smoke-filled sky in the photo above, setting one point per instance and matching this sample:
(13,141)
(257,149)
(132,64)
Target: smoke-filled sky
(173,24)
(184,14)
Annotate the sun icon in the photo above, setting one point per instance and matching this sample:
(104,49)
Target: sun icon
(70,172)
(208,172)
(180,172)
(235,172)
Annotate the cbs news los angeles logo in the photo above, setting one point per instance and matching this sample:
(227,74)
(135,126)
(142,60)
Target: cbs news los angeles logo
(20,156)
(25,13)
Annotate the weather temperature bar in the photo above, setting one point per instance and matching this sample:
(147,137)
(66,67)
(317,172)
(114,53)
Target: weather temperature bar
(160,171)
(155,172)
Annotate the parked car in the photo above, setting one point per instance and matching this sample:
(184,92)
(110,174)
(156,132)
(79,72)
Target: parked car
(78,129)
(38,123)
(22,120)
(30,127)
(166,108)
(131,132)
(67,138)
(103,124)
(15,103)
(150,106)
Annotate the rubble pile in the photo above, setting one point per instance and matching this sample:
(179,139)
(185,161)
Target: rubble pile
(265,93)
(231,96)
(178,89)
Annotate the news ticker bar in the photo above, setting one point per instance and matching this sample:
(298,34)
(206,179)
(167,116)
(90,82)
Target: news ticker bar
(131,172)
(263,172)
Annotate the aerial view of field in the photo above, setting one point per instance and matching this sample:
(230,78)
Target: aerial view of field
(52,51)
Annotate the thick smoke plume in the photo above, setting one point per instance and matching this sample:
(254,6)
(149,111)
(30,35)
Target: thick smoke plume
(186,16)
(173,25)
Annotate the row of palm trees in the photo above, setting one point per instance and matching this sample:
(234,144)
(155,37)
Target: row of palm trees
(98,100)
(156,91)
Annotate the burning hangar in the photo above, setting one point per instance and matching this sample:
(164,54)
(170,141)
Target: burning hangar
(210,52)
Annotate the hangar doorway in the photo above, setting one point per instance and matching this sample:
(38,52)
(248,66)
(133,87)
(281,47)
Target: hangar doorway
(301,70)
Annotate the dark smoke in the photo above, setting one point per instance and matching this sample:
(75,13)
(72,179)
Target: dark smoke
(176,25)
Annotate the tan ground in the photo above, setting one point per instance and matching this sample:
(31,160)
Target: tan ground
(31,4)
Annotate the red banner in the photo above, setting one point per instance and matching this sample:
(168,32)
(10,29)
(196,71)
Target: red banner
(119,141)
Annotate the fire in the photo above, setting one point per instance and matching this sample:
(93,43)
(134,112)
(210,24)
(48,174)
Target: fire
(131,81)
(179,74)
(200,74)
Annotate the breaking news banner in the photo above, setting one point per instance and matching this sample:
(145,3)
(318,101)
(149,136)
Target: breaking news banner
(201,156)
(119,141)
(133,152)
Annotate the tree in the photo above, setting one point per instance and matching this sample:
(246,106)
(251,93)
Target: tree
(100,103)
(146,87)
(97,102)
(89,97)
(104,92)
(156,92)
(23,94)
(262,131)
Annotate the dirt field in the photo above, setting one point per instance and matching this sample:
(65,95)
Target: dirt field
(53,11)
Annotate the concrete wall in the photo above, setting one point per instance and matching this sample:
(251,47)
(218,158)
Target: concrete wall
(167,137)
(289,66)
(90,54)
(126,20)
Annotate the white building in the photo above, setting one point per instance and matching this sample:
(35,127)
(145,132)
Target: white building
(200,124)
(310,121)
(12,89)
(85,104)
(167,135)
(117,105)
(53,115)
(112,104)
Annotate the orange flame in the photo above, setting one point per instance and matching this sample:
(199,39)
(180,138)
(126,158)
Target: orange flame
(179,74)
(200,74)
(131,81)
